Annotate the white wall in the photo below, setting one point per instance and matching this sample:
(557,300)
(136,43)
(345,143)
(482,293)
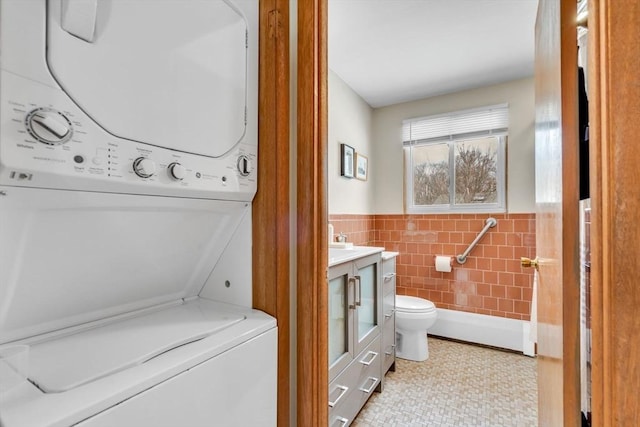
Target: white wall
(386,162)
(349,123)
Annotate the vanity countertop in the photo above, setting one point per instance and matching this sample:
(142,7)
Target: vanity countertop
(388,255)
(338,256)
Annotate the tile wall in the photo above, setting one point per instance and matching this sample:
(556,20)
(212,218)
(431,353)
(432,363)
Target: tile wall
(490,282)
(360,229)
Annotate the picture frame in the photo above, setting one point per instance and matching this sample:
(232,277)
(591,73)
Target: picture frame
(347,160)
(362,167)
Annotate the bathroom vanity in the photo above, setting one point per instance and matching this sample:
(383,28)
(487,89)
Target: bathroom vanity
(356,352)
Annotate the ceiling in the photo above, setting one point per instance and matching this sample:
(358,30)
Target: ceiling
(392,51)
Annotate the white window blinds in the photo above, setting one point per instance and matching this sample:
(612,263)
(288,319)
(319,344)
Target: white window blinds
(477,122)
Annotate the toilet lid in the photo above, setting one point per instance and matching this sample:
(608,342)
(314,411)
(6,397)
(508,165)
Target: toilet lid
(413,304)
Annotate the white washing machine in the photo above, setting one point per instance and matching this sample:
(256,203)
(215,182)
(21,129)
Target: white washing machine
(128,144)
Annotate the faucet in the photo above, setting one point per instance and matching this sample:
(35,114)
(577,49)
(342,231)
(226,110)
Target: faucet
(341,237)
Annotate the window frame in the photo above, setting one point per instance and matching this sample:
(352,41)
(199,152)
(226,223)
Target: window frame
(452,206)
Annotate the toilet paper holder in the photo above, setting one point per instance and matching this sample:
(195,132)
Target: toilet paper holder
(489,223)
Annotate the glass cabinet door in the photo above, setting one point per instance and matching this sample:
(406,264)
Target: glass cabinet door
(340,318)
(367,300)
(337,318)
(367,304)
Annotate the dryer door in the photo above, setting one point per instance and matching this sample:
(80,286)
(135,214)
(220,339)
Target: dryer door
(169,73)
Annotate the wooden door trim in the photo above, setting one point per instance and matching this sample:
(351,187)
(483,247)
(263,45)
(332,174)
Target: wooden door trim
(270,254)
(615,202)
(312,251)
(599,189)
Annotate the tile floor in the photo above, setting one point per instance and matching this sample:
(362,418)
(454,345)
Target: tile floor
(459,385)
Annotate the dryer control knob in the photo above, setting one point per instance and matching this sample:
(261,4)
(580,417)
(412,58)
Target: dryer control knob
(177,171)
(49,126)
(144,167)
(244,165)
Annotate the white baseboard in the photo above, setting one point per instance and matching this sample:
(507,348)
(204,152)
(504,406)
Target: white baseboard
(482,329)
(528,346)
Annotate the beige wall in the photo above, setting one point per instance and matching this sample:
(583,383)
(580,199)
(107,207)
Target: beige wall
(387,166)
(377,133)
(349,123)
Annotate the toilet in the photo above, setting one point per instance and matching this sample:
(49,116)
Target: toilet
(413,317)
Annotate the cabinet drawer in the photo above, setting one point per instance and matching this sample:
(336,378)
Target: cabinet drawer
(369,362)
(389,283)
(344,412)
(368,382)
(338,420)
(388,307)
(351,389)
(388,276)
(389,265)
(388,343)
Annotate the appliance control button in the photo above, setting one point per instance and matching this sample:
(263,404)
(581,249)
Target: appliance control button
(144,167)
(78,159)
(49,126)
(177,171)
(244,165)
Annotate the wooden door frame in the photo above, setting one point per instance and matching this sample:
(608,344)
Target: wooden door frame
(614,57)
(312,245)
(271,205)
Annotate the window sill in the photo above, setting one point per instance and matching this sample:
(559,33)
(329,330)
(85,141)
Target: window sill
(448,210)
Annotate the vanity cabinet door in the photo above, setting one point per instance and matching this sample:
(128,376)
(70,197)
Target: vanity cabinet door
(368,307)
(341,298)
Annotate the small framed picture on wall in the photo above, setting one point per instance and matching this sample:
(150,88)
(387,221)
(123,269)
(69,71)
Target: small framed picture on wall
(362,167)
(347,154)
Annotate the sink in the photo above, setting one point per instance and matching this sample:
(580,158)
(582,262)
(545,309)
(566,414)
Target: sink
(340,255)
(341,245)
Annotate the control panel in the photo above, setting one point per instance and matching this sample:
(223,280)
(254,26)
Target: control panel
(48,126)
(44,143)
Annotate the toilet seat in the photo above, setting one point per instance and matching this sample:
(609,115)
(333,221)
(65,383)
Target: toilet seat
(409,304)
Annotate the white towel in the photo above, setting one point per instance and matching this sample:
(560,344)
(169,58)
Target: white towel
(533,322)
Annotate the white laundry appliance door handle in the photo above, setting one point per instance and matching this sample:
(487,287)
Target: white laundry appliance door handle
(79,18)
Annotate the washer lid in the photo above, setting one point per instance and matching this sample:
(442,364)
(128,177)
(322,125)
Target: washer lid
(65,363)
(413,304)
(168,73)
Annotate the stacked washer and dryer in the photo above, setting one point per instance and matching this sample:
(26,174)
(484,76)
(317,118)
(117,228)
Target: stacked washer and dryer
(128,144)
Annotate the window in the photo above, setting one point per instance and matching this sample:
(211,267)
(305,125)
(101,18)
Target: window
(455,162)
